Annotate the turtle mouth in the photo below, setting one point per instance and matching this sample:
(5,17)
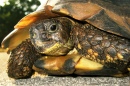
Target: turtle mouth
(52,47)
(49,47)
(42,46)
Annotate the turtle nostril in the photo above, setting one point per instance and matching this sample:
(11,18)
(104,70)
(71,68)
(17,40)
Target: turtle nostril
(44,37)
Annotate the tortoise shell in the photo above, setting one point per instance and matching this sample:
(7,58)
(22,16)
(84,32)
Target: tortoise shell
(108,15)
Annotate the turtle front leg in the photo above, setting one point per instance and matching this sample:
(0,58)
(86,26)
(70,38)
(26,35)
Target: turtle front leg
(21,60)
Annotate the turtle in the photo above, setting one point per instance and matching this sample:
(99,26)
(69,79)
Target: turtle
(71,37)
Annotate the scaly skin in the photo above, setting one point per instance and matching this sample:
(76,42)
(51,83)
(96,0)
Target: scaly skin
(21,60)
(108,49)
(100,46)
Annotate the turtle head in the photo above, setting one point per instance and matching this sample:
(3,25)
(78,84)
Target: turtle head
(52,36)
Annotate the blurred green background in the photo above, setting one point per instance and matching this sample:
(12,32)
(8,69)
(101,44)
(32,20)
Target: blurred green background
(12,11)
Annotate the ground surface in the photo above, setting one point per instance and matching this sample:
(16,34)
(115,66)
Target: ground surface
(57,81)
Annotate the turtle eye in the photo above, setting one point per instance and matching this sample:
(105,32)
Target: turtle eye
(53,28)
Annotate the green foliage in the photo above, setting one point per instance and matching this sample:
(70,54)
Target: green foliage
(11,13)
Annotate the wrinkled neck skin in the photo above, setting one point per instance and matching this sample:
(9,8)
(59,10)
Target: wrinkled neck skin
(78,31)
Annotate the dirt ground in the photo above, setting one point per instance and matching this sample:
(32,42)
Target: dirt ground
(38,80)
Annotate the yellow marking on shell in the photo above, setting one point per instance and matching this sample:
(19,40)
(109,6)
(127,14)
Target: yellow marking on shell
(79,46)
(64,11)
(13,39)
(88,65)
(54,68)
(119,56)
(118,19)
